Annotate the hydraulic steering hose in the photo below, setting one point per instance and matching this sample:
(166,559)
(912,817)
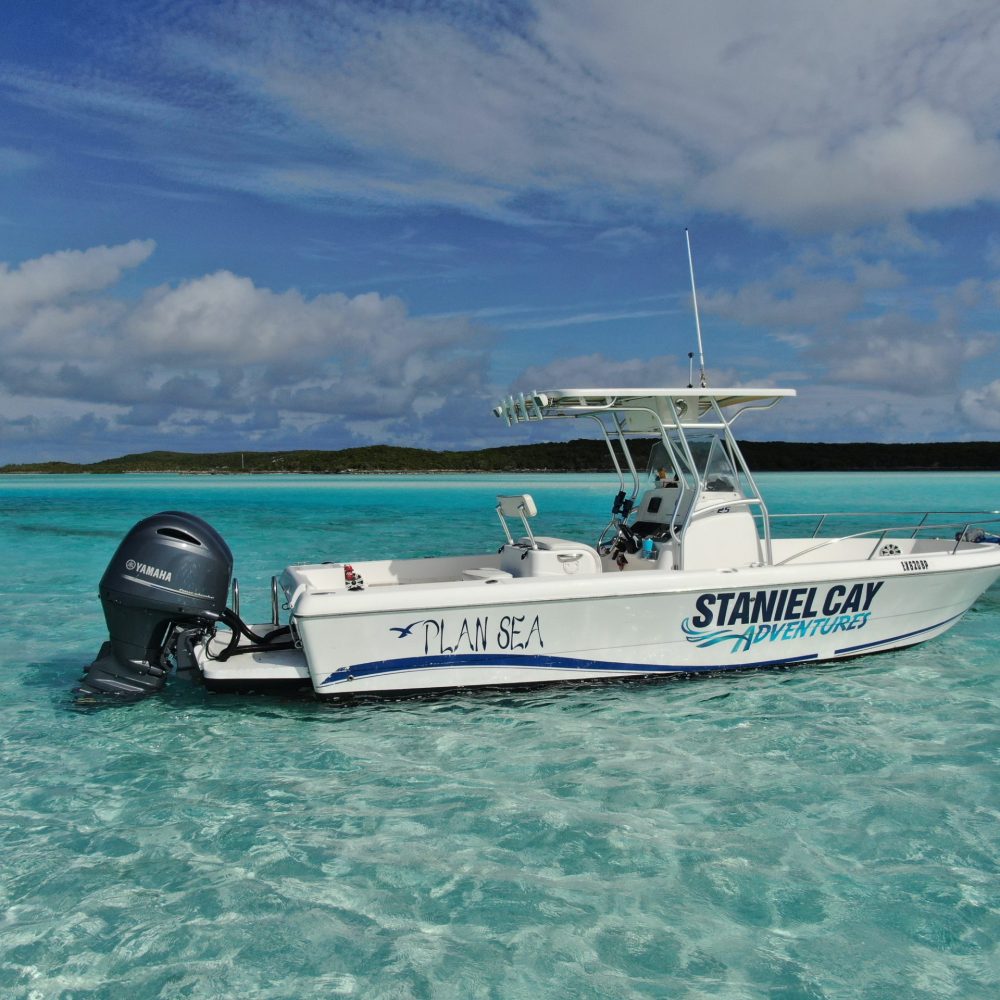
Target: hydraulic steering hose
(258,643)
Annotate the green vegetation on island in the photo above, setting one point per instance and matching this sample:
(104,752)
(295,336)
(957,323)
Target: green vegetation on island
(581,455)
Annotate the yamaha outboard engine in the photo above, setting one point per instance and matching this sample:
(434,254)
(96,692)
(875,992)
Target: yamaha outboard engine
(170,569)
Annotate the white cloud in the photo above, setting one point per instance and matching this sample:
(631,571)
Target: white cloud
(900,353)
(223,318)
(897,237)
(861,413)
(810,116)
(220,348)
(55,277)
(981,406)
(220,358)
(923,159)
(792,298)
(802,116)
(848,324)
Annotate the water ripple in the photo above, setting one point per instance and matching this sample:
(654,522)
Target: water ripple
(825,832)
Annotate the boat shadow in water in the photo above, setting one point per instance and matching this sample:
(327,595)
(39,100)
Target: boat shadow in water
(501,695)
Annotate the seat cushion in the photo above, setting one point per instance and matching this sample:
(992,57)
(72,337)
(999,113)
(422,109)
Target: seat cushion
(548,544)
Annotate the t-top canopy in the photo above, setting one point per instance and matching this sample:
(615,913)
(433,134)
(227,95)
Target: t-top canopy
(642,410)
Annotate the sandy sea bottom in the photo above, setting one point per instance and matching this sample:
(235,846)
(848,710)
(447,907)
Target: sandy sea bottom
(819,832)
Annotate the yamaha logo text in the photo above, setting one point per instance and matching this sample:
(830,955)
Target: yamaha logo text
(153,572)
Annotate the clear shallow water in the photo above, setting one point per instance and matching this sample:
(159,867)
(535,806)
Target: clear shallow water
(819,832)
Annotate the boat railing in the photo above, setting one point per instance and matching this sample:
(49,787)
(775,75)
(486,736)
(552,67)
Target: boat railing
(963,521)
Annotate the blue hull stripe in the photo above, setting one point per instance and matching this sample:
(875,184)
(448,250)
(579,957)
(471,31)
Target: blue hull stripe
(539,661)
(897,638)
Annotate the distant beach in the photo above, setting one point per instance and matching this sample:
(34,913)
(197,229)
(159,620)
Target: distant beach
(579,455)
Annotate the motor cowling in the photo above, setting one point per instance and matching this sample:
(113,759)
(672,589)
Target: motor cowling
(170,569)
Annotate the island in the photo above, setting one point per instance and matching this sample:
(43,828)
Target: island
(580,455)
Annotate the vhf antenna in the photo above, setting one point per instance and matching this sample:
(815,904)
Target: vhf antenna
(697,321)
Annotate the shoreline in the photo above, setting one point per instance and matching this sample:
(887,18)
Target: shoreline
(580,455)
(932,470)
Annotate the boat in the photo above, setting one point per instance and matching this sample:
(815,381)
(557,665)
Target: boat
(691,574)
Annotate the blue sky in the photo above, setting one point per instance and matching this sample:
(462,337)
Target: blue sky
(255,225)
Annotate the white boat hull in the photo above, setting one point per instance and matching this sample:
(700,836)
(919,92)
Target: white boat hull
(536,631)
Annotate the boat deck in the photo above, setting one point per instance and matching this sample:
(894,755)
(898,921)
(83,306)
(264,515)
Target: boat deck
(282,665)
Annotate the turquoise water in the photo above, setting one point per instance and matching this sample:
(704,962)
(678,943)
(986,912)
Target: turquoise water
(822,832)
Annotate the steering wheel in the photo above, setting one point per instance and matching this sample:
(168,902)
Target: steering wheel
(627,540)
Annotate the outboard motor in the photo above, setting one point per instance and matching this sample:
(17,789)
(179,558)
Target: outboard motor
(170,569)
